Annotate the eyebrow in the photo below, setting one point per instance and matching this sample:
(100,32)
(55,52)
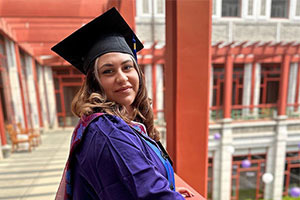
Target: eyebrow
(110,65)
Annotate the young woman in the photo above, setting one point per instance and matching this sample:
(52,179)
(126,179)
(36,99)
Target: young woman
(115,151)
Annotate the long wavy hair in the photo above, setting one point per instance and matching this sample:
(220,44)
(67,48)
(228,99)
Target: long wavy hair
(91,98)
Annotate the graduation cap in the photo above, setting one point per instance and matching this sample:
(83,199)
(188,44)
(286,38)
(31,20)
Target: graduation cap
(107,33)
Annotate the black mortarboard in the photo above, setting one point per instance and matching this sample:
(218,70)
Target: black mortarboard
(107,33)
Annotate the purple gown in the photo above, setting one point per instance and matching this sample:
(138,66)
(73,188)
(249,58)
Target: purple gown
(113,163)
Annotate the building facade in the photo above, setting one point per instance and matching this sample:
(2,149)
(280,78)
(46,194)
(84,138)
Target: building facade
(254,97)
(26,89)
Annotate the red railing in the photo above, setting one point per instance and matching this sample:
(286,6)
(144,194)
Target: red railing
(181,183)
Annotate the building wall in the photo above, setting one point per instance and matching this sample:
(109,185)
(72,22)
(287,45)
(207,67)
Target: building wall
(273,137)
(243,30)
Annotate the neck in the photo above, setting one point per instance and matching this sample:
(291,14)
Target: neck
(130,112)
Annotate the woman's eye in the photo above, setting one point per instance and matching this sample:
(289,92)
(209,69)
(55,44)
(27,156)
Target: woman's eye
(108,71)
(127,67)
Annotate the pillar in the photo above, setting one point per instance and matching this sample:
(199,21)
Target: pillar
(22,86)
(14,81)
(225,164)
(256,90)
(247,89)
(33,114)
(228,87)
(148,79)
(276,160)
(51,97)
(37,91)
(154,100)
(211,89)
(284,78)
(292,85)
(160,92)
(188,42)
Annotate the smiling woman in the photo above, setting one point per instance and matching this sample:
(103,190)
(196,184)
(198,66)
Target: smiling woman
(117,74)
(115,149)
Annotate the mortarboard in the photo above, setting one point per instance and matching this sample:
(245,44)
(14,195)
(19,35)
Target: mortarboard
(107,33)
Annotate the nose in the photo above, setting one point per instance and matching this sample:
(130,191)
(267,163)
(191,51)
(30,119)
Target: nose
(121,77)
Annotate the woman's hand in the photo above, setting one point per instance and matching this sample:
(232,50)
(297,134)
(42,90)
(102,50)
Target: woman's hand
(184,191)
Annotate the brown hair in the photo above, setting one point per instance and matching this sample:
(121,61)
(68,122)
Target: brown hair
(91,98)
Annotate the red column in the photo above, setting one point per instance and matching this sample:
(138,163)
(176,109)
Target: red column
(127,8)
(18,59)
(188,41)
(228,86)
(37,92)
(284,80)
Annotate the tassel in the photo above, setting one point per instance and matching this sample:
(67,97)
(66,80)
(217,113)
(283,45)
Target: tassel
(134,48)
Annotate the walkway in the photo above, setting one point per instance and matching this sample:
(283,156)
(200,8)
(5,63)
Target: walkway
(35,175)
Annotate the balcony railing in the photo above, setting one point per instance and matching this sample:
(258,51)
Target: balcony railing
(181,183)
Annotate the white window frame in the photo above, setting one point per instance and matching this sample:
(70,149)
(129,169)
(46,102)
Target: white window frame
(155,8)
(292,10)
(218,9)
(139,10)
(268,10)
(245,4)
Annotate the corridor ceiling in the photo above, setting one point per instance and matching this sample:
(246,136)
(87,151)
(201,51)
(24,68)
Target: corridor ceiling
(39,24)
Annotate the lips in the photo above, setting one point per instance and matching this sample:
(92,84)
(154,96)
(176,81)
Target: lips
(123,89)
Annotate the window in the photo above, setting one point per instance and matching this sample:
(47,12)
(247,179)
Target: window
(297,8)
(214,9)
(218,91)
(250,8)
(292,171)
(160,7)
(279,8)
(246,183)
(146,7)
(231,8)
(237,85)
(262,8)
(269,85)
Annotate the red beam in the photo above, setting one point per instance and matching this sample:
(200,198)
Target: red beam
(5,28)
(50,35)
(51,8)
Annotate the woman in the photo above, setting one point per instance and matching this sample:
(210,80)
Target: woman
(115,150)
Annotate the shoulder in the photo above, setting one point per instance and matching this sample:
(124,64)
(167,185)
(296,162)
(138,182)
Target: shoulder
(113,130)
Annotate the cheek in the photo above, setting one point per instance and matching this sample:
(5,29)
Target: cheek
(106,85)
(137,81)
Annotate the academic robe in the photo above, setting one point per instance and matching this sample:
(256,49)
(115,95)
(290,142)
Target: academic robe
(113,162)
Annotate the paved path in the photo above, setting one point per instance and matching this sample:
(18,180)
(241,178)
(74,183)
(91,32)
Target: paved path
(35,175)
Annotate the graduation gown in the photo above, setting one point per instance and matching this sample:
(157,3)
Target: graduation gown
(113,162)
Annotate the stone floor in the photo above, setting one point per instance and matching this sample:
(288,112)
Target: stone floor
(35,175)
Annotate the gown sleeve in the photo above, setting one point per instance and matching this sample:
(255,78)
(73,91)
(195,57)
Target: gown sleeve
(135,170)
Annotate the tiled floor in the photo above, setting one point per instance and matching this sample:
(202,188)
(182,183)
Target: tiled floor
(35,175)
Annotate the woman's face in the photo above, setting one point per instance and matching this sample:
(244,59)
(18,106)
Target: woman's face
(119,78)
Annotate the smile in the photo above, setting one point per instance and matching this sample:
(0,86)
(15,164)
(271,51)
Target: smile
(124,89)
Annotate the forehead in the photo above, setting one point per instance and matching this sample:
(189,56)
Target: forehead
(114,57)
